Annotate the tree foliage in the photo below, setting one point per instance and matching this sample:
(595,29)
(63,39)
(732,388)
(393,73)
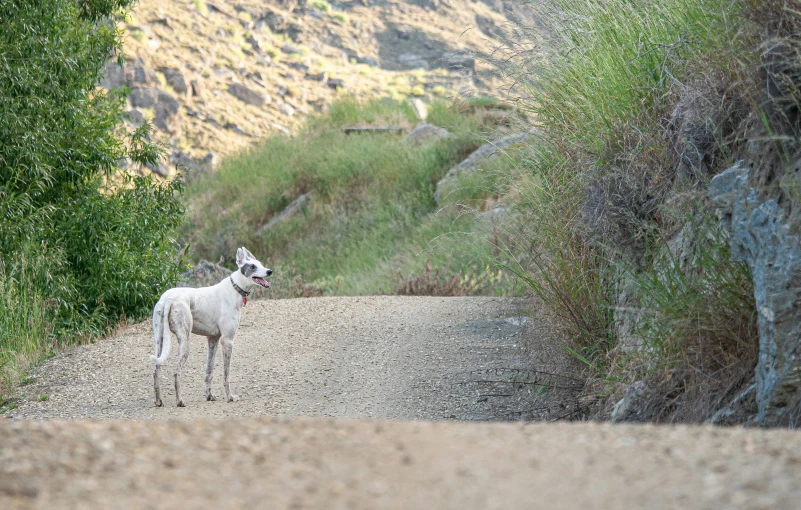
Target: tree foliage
(103,238)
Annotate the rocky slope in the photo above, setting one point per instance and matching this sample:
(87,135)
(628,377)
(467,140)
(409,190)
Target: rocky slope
(214,77)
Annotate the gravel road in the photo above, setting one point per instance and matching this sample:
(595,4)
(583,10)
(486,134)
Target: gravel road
(324,384)
(400,358)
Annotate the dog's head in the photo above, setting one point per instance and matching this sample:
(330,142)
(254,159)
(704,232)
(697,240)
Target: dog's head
(252,269)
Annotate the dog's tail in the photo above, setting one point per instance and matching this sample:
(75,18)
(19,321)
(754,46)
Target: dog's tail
(161,340)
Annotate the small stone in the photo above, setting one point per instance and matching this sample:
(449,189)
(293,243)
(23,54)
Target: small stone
(370,61)
(419,108)
(321,77)
(425,133)
(291,49)
(247,95)
(197,88)
(286,109)
(336,83)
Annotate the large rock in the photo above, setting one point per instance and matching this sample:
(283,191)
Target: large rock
(763,238)
(139,75)
(412,61)
(204,273)
(457,62)
(425,133)
(114,76)
(144,97)
(247,95)
(289,211)
(470,163)
(168,114)
(175,79)
(632,406)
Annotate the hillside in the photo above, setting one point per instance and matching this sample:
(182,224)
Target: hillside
(215,77)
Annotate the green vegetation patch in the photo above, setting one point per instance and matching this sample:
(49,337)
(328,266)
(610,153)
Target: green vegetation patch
(367,210)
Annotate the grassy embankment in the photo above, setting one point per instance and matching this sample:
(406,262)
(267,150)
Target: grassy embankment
(641,103)
(370,224)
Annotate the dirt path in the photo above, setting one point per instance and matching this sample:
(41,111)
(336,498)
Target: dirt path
(353,359)
(367,357)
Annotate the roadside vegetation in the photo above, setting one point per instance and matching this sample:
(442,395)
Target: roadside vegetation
(81,247)
(640,104)
(367,222)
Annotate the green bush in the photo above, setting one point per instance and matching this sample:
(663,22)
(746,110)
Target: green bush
(97,245)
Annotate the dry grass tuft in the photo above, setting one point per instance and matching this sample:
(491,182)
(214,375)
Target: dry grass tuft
(440,283)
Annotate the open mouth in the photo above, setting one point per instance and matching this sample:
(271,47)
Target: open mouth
(262,282)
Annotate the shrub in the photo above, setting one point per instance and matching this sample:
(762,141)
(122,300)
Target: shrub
(103,241)
(319,5)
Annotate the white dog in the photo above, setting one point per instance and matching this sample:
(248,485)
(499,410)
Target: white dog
(212,312)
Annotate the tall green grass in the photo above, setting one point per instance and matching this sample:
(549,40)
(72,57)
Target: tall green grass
(27,315)
(612,63)
(370,211)
(613,73)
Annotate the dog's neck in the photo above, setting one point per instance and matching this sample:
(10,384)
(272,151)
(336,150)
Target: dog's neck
(243,282)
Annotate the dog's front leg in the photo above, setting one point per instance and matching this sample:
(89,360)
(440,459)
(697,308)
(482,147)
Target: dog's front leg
(214,341)
(228,348)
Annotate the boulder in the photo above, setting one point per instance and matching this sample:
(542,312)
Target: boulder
(254,42)
(457,62)
(204,273)
(286,109)
(289,211)
(632,406)
(196,88)
(412,61)
(135,117)
(161,168)
(762,236)
(484,152)
(274,21)
(247,95)
(175,79)
(211,160)
(321,77)
(336,83)
(144,97)
(291,49)
(370,61)
(138,75)
(425,133)
(167,114)
(114,76)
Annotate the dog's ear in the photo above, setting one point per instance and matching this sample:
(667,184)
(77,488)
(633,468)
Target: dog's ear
(248,255)
(240,256)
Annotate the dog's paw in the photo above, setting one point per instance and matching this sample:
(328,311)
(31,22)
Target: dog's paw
(232,398)
(181,403)
(159,403)
(210,398)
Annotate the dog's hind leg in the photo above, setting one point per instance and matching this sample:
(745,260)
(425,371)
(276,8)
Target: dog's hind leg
(228,348)
(158,333)
(214,341)
(181,325)
(157,385)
